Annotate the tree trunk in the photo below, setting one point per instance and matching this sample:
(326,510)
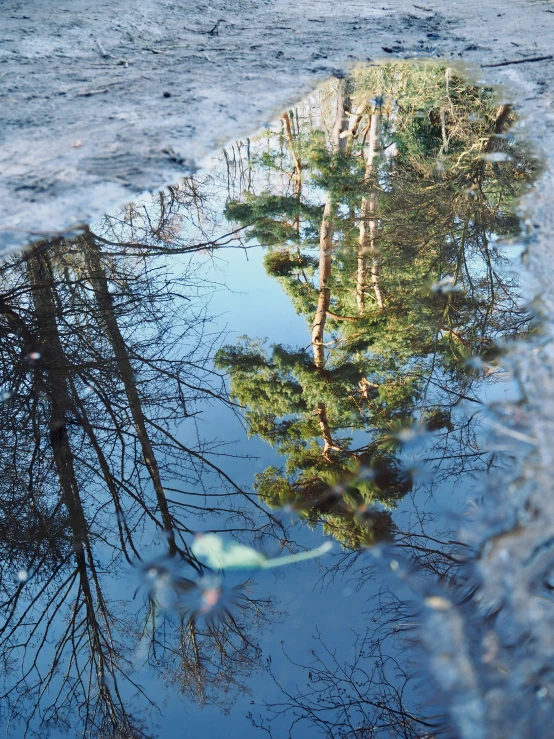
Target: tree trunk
(328,441)
(297,175)
(105,304)
(368,255)
(354,123)
(294,153)
(56,368)
(54,361)
(324,297)
(326,235)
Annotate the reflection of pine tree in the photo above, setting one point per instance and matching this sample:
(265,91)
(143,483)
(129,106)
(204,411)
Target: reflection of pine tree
(309,413)
(396,272)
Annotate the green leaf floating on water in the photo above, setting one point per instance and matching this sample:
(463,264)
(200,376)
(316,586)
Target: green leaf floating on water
(219,554)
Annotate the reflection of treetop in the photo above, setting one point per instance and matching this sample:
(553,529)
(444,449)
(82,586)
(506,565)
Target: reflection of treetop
(387,191)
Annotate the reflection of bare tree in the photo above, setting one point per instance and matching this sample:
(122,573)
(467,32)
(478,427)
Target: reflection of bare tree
(208,655)
(103,362)
(366,687)
(89,640)
(105,303)
(362,697)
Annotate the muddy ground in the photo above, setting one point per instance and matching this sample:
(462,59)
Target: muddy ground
(101,101)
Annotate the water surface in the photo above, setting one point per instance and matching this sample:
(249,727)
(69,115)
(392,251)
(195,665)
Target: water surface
(242,420)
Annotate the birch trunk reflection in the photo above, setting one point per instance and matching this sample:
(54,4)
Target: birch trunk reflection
(326,233)
(368,249)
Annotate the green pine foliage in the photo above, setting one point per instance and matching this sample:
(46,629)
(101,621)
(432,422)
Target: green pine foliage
(444,184)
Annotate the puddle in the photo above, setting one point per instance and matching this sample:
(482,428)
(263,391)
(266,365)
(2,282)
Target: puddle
(242,420)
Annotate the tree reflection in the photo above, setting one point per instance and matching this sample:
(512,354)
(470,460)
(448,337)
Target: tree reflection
(104,361)
(401,181)
(399,277)
(381,203)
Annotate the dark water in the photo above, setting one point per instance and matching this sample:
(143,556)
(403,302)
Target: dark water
(244,420)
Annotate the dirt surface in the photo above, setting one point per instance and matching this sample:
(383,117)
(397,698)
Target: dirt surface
(104,100)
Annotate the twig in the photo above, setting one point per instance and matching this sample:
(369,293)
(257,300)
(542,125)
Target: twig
(88,93)
(520,61)
(102,49)
(97,91)
(107,55)
(215,30)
